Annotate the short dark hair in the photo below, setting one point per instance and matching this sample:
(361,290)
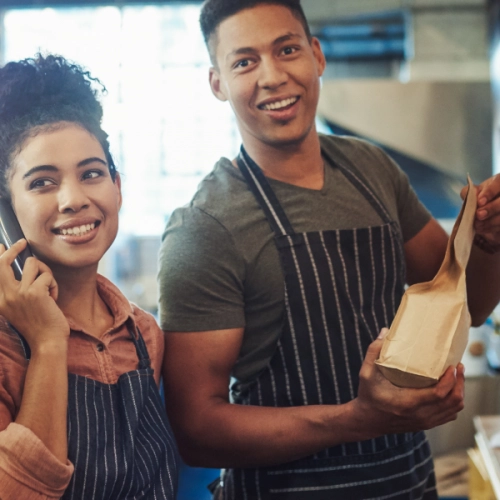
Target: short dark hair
(213,12)
(37,94)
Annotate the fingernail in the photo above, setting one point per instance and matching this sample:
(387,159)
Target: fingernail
(482,214)
(482,201)
(383,333)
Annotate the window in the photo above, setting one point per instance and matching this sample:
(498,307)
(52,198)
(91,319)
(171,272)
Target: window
(166,128)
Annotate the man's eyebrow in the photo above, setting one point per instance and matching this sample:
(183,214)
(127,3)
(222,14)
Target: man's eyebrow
(52,168)
(251,50)
(286,38)
(241,50)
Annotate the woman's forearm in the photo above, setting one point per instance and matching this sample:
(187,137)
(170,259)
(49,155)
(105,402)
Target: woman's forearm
(45,397)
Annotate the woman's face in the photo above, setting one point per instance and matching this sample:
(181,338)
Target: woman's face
(64,197)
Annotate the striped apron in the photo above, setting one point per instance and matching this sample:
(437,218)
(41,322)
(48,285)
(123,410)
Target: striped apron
(119,437)
(341,288)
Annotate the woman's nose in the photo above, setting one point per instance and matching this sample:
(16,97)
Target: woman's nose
(72,197)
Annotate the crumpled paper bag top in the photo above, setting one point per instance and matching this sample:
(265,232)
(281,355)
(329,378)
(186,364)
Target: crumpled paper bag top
(431,327)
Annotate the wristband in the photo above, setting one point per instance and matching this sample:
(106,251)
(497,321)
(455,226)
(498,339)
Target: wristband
(485,245)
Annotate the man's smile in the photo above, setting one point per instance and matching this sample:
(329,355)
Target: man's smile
(278,104)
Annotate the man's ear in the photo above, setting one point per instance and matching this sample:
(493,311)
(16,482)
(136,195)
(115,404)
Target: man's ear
(318,55)
(118,186)
(215,84)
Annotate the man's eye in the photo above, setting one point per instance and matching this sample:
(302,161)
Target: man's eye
(244,63)
(289,50)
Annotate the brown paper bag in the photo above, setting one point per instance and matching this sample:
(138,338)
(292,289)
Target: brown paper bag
(431,327)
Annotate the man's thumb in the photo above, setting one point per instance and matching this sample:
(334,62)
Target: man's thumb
(383,333)
(376,346)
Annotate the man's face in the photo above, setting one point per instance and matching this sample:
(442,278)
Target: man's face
(269,72)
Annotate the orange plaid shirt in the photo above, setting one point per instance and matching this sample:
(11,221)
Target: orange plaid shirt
(28,470)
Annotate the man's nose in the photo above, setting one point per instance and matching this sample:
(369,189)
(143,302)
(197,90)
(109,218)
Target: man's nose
(272,74)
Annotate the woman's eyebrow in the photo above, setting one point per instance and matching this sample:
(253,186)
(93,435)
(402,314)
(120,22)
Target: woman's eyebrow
(51,168)
(39,168)
(93,159)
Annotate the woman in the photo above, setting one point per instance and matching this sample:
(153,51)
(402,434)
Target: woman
(80,411)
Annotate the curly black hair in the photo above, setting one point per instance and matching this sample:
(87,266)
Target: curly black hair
(213,12)
(38,93)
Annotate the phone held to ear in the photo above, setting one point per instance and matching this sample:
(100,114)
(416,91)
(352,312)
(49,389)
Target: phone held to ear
(10,232)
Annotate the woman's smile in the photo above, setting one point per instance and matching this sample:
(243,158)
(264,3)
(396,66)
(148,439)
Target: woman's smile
(77,231)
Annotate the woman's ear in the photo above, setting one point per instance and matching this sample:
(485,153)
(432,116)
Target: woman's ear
(118,185)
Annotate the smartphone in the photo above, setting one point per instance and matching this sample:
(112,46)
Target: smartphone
(10,232)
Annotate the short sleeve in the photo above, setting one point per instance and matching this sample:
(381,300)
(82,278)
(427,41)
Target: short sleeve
(201,274)
(412,214)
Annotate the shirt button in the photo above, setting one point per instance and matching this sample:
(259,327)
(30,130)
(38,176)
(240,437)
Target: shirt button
(100,347)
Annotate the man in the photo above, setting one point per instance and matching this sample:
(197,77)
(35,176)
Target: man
(279,276)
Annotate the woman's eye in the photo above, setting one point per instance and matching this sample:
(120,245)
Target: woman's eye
(40,183)
(92,174)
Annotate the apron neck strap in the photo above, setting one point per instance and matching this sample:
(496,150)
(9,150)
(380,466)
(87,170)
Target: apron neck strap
(357,179)
(259,185)
(140,345)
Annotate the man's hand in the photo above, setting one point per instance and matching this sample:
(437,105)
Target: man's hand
(393,409)
(487,221)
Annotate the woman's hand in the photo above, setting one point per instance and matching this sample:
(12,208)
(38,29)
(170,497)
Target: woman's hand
(30,304)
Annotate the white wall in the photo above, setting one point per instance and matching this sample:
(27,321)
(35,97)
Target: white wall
(447,124)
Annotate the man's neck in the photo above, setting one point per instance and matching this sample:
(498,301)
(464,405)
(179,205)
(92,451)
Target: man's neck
(299,164)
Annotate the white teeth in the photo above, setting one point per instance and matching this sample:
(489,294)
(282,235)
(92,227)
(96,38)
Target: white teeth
(280,104)
(78,230)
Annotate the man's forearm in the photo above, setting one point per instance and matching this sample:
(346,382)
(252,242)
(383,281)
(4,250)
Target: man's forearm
(211,432)
(250,436)
(483,284)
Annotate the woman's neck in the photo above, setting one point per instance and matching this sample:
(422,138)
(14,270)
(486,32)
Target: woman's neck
(80,301)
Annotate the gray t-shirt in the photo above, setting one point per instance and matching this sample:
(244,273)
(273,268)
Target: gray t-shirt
(219,267)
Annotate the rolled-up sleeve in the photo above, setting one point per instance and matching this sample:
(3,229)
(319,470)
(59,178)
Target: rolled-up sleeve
(28,469)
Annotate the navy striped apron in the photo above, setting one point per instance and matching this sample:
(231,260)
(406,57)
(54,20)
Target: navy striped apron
(119,437)
(341,288)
